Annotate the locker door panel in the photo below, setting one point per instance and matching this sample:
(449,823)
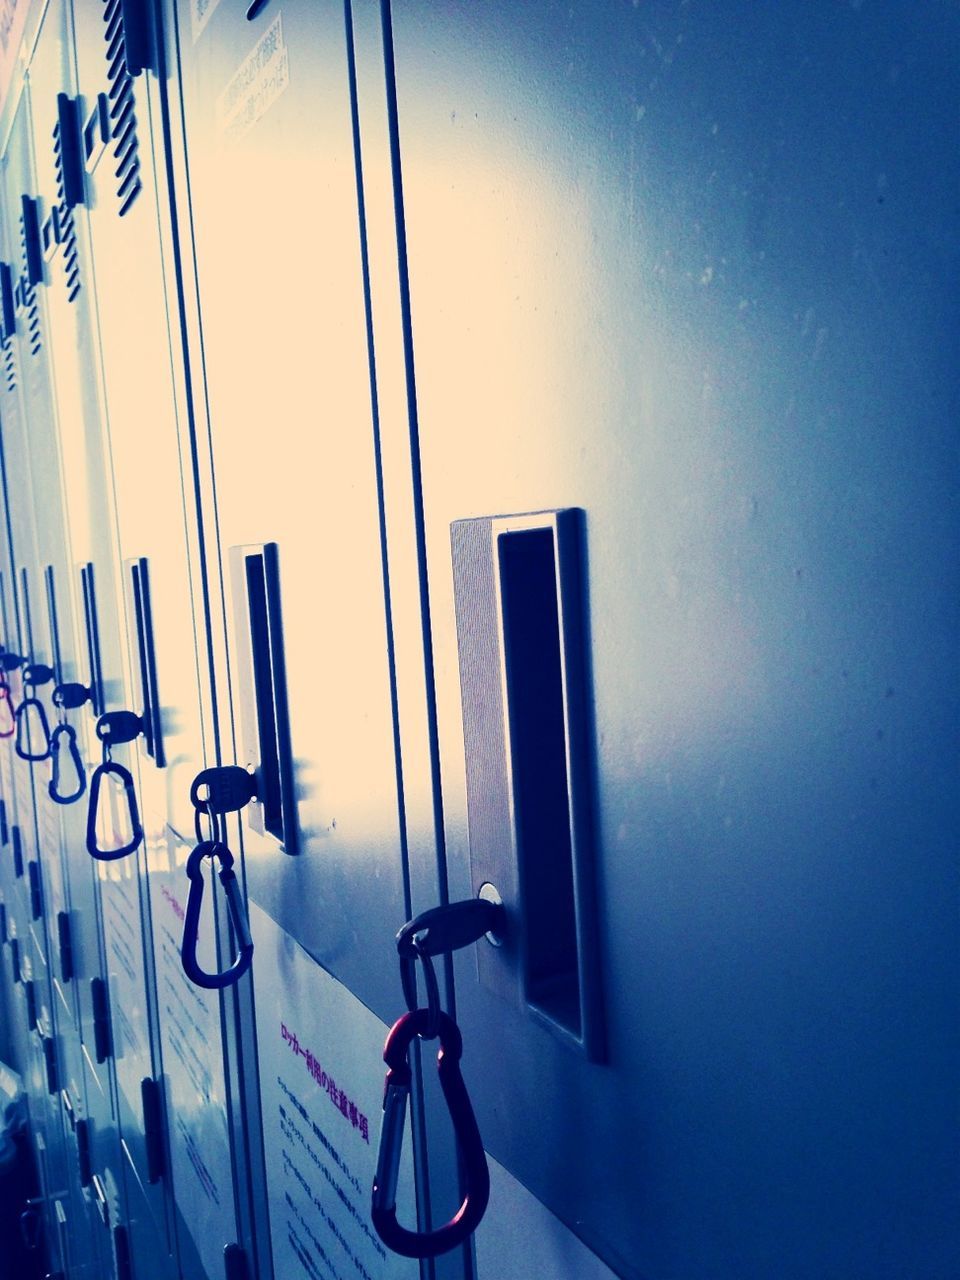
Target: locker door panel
(268,137)
(162,589)
(35,526)
(628,300)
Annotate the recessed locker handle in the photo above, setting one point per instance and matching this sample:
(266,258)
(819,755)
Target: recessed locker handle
(53,621)
(146,651)
(152,1102)
(92,627)
(83,1152)
(235,1263)
(121,1250)
(3,922)
(32,247)
(257,579)
(540,590)
(70,142)
(4,828)
(65,946)
(137,35)
(50,1061)
(102,1038)
(17,843)
(30,1227)
(29,991)
(15,960)
(8,307)
(36,890)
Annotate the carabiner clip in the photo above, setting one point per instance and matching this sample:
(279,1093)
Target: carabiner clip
(23,740)
(71,747)
(191,920)
(5,697)
(383,1209)
(118,771)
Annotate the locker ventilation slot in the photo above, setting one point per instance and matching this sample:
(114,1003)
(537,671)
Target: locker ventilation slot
(123,120)
(9,365)
(69,170)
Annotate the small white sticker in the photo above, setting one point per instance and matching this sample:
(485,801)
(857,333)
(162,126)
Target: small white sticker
(255,86)
(201,11)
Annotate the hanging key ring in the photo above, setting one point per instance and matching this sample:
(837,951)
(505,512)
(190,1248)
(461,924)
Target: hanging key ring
(476,1175)
(214,849)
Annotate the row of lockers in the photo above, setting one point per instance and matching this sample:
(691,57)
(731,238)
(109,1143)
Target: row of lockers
(520,438)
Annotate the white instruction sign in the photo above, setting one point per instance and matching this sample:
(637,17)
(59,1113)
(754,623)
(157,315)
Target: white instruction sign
(201,11)
(255,85)
(321,1078)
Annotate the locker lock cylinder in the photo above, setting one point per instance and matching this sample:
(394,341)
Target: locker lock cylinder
(440,931)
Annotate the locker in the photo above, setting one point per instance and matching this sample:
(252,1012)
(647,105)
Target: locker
(162,585)
(269,139)
(53,1044)
(531,464)
(83,640)
(666,269)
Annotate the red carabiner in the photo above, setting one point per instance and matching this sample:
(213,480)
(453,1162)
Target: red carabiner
(5,697)
(427,1244)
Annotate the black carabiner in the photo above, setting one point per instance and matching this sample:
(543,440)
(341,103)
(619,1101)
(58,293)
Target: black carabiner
(118,771)
(383,1208)
(191,920)
(5,697)
(59,797)
(22,743)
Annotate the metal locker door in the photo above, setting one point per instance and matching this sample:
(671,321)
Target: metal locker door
(678,276)
(79,586)
(129,1014)
(133,258)
(29,470)
(271,165)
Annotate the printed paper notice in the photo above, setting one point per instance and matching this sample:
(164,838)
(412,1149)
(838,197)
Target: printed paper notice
(201,11)
(321,1077)
(255,86)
